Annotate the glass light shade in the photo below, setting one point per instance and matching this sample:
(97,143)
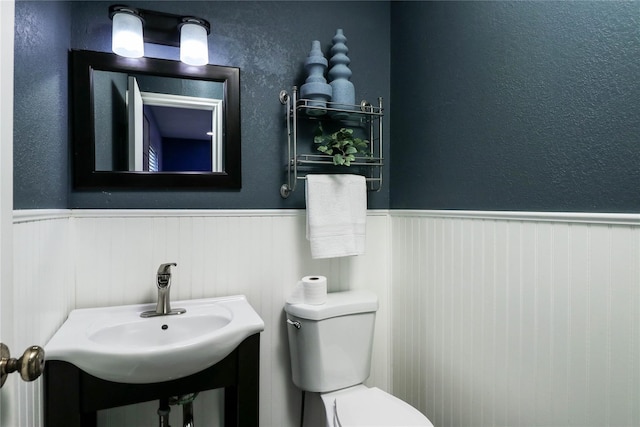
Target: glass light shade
(193,44)
(127,35)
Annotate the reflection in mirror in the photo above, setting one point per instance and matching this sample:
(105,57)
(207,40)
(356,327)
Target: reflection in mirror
(181,133)
(154,123)
(167,129)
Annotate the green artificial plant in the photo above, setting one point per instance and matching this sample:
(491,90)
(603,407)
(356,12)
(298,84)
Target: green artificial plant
(342,145)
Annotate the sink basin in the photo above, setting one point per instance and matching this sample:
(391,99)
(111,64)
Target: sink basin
(116,344)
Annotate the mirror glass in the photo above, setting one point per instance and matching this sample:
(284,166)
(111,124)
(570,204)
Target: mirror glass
(154,123)
(172,125)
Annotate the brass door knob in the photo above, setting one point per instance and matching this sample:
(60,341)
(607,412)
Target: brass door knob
(30,364)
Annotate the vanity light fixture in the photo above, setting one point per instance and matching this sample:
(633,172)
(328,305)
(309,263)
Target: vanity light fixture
(194,49)
(133,26)
(126,37)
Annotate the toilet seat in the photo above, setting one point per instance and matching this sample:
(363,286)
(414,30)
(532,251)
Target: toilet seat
(361,406)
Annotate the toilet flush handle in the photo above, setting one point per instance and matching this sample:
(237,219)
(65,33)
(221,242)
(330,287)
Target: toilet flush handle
(294,323)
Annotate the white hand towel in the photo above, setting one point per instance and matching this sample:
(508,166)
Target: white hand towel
(336,214)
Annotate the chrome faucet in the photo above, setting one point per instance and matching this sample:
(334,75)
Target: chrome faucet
(163,281)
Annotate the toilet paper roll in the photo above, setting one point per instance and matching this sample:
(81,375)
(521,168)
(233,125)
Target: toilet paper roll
(297,295)
(314,289)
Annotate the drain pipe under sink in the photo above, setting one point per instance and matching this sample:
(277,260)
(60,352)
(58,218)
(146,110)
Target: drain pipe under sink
(163,413)
(186,401)
(187,414)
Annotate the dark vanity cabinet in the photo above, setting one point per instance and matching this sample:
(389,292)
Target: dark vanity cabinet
(73,397)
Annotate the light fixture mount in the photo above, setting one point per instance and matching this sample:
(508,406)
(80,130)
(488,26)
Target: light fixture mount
(160,27)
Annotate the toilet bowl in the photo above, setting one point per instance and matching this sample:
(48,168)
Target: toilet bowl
(330,347)
(361,406)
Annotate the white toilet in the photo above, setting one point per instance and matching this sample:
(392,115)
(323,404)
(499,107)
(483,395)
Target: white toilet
(330,346)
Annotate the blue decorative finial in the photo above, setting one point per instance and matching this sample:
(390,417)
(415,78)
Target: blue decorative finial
(339,73)
(316,88)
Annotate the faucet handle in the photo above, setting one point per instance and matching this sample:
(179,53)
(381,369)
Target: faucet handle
(164,274)
(166,268)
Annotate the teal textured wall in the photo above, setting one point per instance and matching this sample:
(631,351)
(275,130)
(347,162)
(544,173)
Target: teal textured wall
(41,129)
(269,41)
(516,106)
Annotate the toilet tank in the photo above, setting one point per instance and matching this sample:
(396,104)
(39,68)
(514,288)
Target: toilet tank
(332,347)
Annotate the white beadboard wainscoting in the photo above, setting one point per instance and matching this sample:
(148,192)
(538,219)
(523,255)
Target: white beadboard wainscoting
(517,319)
(43,294)
(89,258)
(486,318)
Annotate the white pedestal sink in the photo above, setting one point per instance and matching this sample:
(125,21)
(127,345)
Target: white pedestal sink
(116,344)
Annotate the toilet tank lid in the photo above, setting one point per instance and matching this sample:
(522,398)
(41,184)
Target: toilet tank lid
(338,304)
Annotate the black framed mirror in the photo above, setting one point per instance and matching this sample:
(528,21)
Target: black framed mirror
(149,123)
